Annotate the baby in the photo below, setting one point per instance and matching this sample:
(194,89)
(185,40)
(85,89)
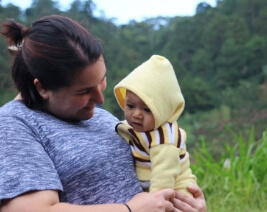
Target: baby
(152,102)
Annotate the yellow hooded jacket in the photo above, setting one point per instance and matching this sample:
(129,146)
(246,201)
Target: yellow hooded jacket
(160,155)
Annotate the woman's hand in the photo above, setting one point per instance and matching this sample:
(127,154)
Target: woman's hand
(186,203)
(158,201)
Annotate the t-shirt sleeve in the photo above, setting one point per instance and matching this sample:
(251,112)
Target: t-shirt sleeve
(24,163)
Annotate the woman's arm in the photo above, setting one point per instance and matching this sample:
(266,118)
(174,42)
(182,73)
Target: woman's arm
(47,201)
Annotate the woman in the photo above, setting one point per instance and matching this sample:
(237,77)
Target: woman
(58,152)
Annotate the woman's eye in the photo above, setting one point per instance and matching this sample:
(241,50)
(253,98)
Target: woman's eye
(83,92)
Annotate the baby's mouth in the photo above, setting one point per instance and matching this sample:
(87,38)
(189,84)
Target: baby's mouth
(137,124)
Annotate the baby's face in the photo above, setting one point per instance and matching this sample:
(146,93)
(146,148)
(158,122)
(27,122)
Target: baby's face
(137,114)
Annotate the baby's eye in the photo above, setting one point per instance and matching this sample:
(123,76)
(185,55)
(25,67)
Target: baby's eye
(147,110)
(130,106)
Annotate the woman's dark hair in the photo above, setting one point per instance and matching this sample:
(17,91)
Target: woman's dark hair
(54,50)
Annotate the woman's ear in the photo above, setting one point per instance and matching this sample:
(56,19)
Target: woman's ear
(41,90)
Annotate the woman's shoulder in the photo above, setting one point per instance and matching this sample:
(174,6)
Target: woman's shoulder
(18,112)
(102,114)
(12,108)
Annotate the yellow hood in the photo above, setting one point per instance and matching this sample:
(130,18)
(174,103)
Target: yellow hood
(156,84)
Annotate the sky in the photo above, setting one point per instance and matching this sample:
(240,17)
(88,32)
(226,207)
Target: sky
(125,10)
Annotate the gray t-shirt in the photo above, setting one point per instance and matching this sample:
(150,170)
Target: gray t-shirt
(86,161)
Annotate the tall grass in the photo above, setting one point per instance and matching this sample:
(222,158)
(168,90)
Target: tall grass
(237,182)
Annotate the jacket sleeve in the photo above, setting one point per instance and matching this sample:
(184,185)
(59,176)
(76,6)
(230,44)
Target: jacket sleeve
(186,177)
(122,129)
(165,166)
(170,166)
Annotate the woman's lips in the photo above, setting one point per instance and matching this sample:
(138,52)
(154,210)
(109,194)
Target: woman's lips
(91,107)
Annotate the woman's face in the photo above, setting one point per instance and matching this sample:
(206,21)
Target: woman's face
(77,102)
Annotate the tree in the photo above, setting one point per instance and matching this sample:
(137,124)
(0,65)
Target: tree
(230,64)
(256,55)
(11,11)
(180,41)
(40,8)
(82,11)
(198,95)
(202,7)
(202,64)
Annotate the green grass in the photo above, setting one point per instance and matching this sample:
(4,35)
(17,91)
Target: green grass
(237,182)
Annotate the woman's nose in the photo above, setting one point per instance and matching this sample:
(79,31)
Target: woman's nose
(98,95)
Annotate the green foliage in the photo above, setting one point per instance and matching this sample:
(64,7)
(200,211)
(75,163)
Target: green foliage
(40,8)
(237,181)
(256,54)
(197,94)
(208,125)
(7,96)
(234,98)
(230,59)
(201,63)
(202,7)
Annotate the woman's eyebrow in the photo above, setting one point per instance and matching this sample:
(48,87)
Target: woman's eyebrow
(83,90)
(88,88)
